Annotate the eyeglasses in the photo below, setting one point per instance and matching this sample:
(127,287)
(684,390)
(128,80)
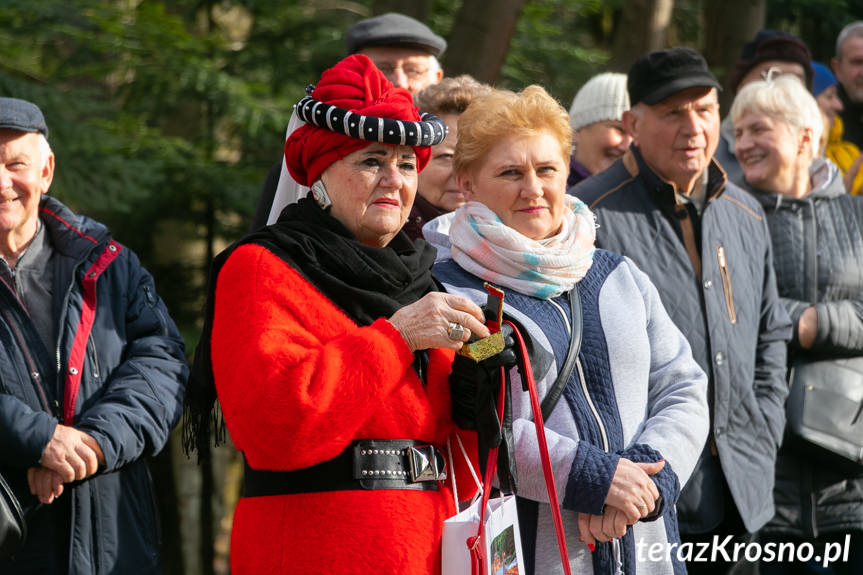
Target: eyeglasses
(412,71)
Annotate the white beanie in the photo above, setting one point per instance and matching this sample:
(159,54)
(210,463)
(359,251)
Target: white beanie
(603,97)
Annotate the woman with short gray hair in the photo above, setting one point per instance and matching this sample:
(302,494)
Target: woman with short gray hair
(817,234)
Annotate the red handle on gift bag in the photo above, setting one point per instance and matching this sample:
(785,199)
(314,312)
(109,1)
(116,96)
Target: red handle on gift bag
(476,543)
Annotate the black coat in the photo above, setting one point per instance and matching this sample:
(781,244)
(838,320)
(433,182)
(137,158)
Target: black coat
(731,316)
(818,256)
(130,372)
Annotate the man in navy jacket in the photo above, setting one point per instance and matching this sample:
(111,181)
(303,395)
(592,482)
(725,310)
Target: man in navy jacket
(704,243)
(92,372)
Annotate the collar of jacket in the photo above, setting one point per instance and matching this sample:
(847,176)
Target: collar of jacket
(72,235)
(665,192)
(831,187)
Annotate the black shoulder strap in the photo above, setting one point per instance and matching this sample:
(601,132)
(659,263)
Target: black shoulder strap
(553,395)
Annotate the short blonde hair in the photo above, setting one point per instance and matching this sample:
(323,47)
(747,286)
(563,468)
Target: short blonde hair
(783,98)
(501,114)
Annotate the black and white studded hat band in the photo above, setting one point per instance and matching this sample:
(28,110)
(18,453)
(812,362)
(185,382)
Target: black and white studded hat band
(429,131)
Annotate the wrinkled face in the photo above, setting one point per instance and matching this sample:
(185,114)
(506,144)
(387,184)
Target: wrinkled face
(598,145)
(759,72)
(523,181)
(24,176)
(678,136)
(405,67)
(437,183)
(829,102)
(769,151)
(372,191)
(849,67)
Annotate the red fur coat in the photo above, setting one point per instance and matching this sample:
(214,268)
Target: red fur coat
(298,381)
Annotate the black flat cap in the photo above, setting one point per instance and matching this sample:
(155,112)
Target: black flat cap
(393,29)
(22,116)
(660,74)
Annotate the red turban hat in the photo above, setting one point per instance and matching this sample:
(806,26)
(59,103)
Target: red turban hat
(352,106)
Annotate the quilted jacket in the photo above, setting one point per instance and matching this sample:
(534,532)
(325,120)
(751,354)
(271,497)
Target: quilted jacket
(818,257)
(118,372)
(730,312)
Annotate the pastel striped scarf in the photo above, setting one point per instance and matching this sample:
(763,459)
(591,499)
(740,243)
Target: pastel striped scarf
(484,246)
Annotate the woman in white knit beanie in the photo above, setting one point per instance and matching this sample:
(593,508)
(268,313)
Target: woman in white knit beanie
(598,134)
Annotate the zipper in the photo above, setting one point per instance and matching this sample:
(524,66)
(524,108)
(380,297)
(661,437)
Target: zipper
(562,315)
(59,386)
(813,272)
(591,405)
(583,382)
(726,284)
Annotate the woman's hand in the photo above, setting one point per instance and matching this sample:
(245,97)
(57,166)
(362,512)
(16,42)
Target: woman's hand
(45,484)
(425,324)
(632,496)
(610,525)
(807,327)
(632,490)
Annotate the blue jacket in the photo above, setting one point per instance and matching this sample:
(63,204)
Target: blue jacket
(117,373)
(729,310)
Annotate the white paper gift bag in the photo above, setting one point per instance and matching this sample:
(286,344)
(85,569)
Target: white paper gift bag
(501,541)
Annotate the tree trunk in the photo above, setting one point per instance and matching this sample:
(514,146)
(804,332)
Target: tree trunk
(419,9)
(481,37)
(728,26)
(642,28)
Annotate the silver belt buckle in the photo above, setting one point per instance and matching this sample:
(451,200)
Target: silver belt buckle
(424,464)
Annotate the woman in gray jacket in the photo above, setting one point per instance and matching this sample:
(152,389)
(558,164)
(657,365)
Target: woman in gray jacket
(817,234)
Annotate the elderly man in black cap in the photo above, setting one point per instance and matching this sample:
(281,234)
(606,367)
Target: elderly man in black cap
(404,49)
(704,242)
(92,373)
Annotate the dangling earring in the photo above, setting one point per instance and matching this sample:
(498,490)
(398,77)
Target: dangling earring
(319,192)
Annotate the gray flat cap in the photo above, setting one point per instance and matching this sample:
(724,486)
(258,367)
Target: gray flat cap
(393,29)
(22,116)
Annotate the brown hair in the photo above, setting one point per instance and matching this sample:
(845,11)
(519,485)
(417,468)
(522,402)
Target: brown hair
(501,114)
(450,95)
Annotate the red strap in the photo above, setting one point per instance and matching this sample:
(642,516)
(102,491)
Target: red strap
(543,451)
(82,333)
(476,543)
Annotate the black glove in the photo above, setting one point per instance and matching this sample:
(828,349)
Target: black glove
(470,380)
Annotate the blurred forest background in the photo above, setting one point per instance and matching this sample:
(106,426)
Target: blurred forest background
(166,115)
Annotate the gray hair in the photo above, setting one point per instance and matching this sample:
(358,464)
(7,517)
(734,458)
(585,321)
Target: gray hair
(783,98)
(44,148)
(854,29)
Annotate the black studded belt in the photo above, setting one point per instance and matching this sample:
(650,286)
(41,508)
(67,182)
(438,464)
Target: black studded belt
(366,464)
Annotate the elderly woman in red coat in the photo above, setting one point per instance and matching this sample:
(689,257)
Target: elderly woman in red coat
(330,347)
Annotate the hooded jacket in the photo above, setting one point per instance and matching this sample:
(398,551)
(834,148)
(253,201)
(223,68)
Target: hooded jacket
(117,372)
(715,276)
